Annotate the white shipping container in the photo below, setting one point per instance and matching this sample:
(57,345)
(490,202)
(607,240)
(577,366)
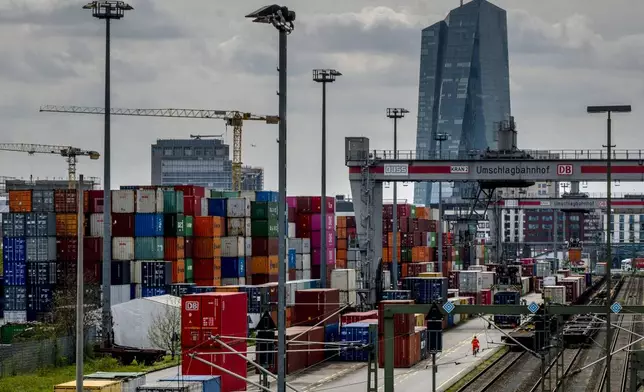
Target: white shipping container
(487,279)
(233,281)
(238,208)
(146,201)
(232,246)
(298,262)
(343,279)
(160,200)
(555,294)
(550,281)
(299,274)
(470,281)
(476,268)
(239,227)
(306,274)
(249,195)
(352,264)
(306,262)
(248,247)
(204,206)
(353,255)
(525,285)
(306,245)
(123,201)
(348,297)
(96,225)
(120,293)
(291,232)
(17,317)
(295,243)
(123,248)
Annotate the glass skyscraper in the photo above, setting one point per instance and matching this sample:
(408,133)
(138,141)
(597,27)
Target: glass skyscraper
(464,89)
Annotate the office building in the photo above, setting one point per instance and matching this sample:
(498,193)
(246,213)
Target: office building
(252,179)
(464,89)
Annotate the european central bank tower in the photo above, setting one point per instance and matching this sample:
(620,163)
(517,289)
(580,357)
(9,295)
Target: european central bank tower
(464,89)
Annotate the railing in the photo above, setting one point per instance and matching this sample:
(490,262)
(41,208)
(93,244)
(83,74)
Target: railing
(480,154)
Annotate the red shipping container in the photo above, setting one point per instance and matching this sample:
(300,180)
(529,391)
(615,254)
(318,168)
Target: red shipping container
(403,323)
(173,248)
(292,274)
(191,190)
(354,317)
(303,204)
(206,269)
(316,204)
(314,305)
(92,271)
(67,249)
(296,354)
(221,358)
(265,246)
(65,200)
(211,314)
(93,249)
(402,351)
(95,201)
(188,247)
(303,222)
(486,297)
(122,225)
(192,205)
(292,214)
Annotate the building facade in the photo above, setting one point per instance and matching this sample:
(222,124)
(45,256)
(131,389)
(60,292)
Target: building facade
(252,179)
(464,89)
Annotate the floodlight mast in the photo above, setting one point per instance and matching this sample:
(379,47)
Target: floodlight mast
(282,19)
(440,138)
(107,10)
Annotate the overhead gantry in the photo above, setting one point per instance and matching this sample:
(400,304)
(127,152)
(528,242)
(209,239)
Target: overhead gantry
(369,169)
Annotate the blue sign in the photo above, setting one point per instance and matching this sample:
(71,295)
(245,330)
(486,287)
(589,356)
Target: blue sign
(533,307)
(448,307)
(616,307)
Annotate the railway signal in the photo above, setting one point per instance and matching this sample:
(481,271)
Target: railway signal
(266,345)
(435,334)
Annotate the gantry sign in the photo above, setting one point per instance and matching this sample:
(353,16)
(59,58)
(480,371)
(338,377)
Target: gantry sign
(368,169)
(571,204)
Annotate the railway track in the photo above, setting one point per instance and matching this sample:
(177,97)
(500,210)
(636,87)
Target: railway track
(492,378)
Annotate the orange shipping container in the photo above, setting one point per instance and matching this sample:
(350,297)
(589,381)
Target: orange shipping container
(216,281)
(341,243)
(341,254)
(209,226)
(420,254)
(174,248)
(574,255)
(20,201)
(66,225)
(422,213)
(207,247)
(342,222)
(178,271)
(340,263)
(265,265)
(390,239)
(342,232)
(227,289)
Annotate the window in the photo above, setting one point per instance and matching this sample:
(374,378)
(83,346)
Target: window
(167,152)
(533,227)
(574,218)
(187,151)
(547,218)
(546,226)
(533,218)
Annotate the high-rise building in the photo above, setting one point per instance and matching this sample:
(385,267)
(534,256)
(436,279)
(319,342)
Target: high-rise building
(252,179)
(204,162)
(464,89)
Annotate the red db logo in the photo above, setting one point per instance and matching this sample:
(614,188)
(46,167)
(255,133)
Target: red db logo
(192,305)
(564,170)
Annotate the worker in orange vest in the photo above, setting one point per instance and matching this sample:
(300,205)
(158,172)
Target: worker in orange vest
(475,346)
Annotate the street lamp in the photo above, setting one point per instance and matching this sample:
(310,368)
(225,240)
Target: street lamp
(324,76)
(282,19)
(395,113)
(107,10)
(440,138)
(609,232)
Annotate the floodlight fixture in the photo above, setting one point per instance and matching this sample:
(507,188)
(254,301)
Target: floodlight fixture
(280,17)
(108,9)
(396,112)
(441,137)
(609,108)
(325,75)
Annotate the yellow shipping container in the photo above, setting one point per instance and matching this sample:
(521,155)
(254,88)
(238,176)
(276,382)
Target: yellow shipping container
(91,385)
(420,319)
(430,275)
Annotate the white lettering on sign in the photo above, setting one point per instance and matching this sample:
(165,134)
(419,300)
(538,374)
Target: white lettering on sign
(544,203)
(602,204)
(462,169)
(396,169)
(511,203)
(513,170)
(192,305)
(564,170)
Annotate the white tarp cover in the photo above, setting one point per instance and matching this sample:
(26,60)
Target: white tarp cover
(132,319)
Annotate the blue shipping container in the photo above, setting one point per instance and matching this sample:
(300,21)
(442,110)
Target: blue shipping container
(40,224)
(507,298)
(254,298)
(209,383)
(39,298)
(589,279)
(233,267)
(15,298)
(432,290)
(180,289)
(15,273)
(156,274)
(14,249)
(332,333)
(216,207)
(41,273)
(396,295)
(148,225)
(268,196)
(356,332)
(292,259)
(152,291)
(13,225)
(203,289)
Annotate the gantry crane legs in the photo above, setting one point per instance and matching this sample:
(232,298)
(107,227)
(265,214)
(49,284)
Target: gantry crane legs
(233,118)
(70,153)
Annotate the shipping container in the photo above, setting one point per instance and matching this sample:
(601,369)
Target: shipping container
(96,226)
(263,246)
(66,201)
(121,273)
(67,249)
(233,267)
(120,294)
(265,228)
(267,196)
(42,201)
(66,225)
(122,248)
(122,225)
(40,224)
(264,211)
(41,249)
(427,290)
(41,273)
(212,314)
(207,272)
(178,271)
(147,203)
(555,294)
(174,225)
(150,273)
(314,305)
(91,385)
(189,225)
(208,383)
(13,225)
(189,266)
(206,247)
(232,363)
(15,299)
(93,249)
(403,323)
(39,300)
(148,225)
(264,265)
(148,248)
(14,249)
(238,227)
(209,226)
(123,201)
(174,248)
(95,201)
(232,246)
(20,201)
(172,202)
(237,208)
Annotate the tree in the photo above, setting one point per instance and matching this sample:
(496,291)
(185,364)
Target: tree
(165,329)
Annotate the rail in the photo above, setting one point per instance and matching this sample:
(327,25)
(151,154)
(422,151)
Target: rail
(493,373)
(476,155)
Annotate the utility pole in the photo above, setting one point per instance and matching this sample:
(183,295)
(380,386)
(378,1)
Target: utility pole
(440,138)
(609,236)
(282,19)
(107,10)
(395,113)
(80,303)
(324,76)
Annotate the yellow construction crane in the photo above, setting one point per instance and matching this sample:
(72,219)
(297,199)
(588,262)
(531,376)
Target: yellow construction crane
(65,151)
(232,118)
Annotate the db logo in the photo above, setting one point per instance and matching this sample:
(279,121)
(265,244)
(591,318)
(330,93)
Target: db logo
(192,305)
(564,170)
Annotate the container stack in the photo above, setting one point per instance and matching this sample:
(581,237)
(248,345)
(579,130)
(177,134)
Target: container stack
(507,298)
(406,339)
(214,314)
(233,246)
(357,332)
(345,281)
(265,241)
(14,257)
(427,290)
(470,284)
(207,251)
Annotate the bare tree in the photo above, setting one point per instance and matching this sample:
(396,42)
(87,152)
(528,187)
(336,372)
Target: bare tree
(64,306)
(165,329)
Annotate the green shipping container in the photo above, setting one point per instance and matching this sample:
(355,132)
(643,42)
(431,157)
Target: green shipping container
(8,331)
(264,228)
(181,225)
(413,211)
(148,248)
(216,194)
(263,210)
(189,273)
(230,194)
(432,240)
(173,202)
(188,225)
(405,254)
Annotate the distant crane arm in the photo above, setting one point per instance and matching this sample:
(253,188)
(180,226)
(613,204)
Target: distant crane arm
(64,151)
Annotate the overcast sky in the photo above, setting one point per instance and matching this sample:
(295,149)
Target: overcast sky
(203,54)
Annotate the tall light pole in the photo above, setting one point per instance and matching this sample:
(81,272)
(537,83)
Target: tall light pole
(395,113)
(107,10)
(282,19)
(609,232)
(324,76)
(440,138)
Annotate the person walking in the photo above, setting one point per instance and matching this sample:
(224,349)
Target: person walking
(475,346)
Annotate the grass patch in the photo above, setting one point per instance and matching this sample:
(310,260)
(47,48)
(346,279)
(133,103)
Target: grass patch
(477,370)
(45,379)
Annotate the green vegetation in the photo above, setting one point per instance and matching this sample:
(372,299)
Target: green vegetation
(45,379)
(475,372)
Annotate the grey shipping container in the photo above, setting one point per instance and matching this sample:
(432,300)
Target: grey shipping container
(41,249)
(13,225)
(15,298)
(41,273)
(40,224)
(42,201)
(169,386)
